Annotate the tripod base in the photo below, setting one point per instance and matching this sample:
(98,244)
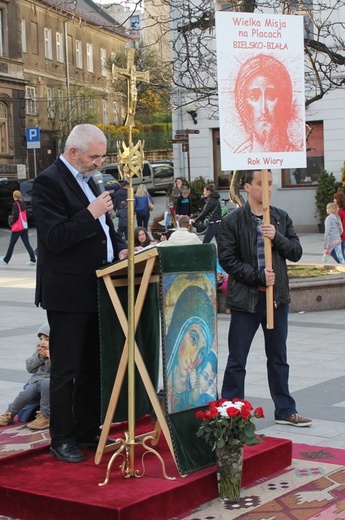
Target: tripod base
(125,451)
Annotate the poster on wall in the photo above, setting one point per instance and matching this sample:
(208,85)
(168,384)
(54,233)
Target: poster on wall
(190,346)
(260,61)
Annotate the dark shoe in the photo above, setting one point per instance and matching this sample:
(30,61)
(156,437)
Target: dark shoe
(67,453)
(93,443)
(295,420)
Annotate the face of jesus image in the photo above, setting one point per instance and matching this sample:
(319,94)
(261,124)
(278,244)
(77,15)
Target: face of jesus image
(262,100)
(263,97)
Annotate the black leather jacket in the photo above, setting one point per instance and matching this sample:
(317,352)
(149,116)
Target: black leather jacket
(237,251)
(212,209)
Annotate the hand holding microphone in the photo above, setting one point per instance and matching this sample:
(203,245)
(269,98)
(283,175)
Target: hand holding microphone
(103,203)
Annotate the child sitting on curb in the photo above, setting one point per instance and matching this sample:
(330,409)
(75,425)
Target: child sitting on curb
(37,388)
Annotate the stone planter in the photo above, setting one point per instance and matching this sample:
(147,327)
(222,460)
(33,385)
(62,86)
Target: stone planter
(321,293)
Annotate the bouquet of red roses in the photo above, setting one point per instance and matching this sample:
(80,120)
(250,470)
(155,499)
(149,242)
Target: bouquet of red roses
(229,423)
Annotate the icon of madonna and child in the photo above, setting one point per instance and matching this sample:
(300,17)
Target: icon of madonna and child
(190,369)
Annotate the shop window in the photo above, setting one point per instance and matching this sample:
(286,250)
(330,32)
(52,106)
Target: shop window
(297,177)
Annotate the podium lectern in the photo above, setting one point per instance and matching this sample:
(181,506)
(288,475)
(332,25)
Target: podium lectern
(152,267)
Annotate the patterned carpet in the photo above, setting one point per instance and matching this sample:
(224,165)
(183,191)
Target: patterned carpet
(17,438)
(313,487)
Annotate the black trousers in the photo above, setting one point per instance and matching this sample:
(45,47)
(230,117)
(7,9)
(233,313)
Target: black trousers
(211,231)
(75,376)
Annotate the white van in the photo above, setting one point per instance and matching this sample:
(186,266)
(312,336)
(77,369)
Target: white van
(156,177)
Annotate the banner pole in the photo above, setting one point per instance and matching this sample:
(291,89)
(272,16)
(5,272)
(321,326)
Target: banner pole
(268,249)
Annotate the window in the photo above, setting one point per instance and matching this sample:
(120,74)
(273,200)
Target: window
(34,38)
(2,32)
(48,49)
(50,103)
(222,178)
(62,104)
(105,112)
(89,57)
(69,52)
(103,62)
(59,48)
(3,128)
(315,159)
(24,48)
(78,54)
(116,110)
(30,101)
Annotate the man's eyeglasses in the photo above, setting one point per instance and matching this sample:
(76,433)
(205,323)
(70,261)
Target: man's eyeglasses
(99,158)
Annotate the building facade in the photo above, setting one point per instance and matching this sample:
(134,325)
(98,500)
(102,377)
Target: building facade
(12,90)
(57,73)
(293,190)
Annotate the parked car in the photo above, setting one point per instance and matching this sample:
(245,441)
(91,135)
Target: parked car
(156,177)
(25,187)
(110,183)
(7,187)
(163,174)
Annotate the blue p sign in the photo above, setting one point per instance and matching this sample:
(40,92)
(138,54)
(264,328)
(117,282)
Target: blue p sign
(33,137)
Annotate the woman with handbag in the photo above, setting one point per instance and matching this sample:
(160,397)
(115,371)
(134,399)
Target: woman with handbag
(143,204)
(19,229)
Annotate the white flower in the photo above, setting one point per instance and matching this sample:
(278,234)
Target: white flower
(222,409)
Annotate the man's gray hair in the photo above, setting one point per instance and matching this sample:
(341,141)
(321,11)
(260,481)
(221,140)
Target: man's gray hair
(82,135)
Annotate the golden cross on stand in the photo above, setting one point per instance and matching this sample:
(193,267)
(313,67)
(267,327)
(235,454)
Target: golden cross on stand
(130,162)
(131,159)
(132,76)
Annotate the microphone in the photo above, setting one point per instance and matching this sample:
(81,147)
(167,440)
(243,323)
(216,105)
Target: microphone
(98,178)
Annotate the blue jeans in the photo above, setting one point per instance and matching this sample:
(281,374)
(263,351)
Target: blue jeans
(13,240)
(143,218)
(36,391)
(243,327)
(334,254)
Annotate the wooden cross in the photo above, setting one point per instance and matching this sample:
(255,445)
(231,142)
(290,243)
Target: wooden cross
(132,76)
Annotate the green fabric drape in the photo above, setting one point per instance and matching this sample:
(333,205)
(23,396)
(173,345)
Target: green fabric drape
(112,342)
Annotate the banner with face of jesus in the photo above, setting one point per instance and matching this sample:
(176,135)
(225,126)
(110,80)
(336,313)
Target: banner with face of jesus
(260,61)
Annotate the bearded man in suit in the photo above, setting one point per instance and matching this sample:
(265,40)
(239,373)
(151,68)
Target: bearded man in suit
(75,238)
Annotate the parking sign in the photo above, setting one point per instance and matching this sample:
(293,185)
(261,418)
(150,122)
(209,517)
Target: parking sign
(33,137)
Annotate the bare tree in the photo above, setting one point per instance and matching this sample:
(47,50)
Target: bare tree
(194,51)
(189,27)
(156,93)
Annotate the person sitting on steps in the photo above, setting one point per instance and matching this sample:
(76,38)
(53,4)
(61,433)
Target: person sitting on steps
(37,388)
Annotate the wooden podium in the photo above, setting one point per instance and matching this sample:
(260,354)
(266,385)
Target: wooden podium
(146,267)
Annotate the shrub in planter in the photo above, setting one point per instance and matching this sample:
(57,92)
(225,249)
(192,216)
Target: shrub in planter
(327,186)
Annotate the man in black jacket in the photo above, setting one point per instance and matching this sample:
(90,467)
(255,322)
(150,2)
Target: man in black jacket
(75,238)
(241,255)
(212,211)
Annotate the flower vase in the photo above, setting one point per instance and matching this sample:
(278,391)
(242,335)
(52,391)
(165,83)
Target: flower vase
(229,472)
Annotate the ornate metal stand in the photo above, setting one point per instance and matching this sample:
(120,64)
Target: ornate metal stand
(130,162)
